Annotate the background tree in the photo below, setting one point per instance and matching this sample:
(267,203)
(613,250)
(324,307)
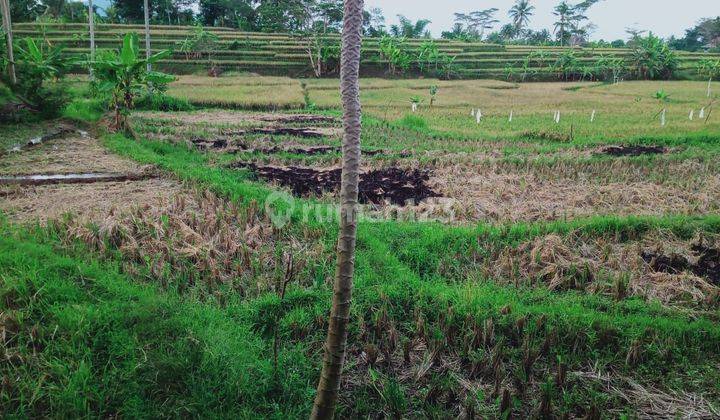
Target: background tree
(409,29)
(24,10)
(329,384)
(233,13)
(476,23)
(564,12)
(129,11)
(521,13)
(374,22)
(328,15)
(568,26)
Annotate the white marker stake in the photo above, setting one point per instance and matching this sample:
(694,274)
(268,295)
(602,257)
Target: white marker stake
(511,116)
(414,107)
(592,116)
(478,116)
(702,113)
(557,118)
(692,114)
(662,118)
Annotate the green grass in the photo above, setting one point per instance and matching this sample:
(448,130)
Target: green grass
(96,342)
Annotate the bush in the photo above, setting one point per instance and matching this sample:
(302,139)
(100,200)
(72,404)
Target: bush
(652,58)
(38,64)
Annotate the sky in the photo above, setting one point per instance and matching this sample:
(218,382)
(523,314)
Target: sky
(664,17)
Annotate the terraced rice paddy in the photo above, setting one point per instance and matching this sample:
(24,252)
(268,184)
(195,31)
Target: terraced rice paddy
(285,54)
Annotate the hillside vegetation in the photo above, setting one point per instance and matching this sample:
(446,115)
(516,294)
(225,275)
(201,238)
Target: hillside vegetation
(200,49)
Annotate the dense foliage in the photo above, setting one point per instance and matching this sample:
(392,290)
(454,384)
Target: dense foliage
(125,75)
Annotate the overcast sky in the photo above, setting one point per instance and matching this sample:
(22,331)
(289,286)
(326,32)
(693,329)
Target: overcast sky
(664,17)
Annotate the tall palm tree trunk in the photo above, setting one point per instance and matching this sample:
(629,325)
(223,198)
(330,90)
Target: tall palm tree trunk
(329,385)
(91,24)
(7,24)
(147,34)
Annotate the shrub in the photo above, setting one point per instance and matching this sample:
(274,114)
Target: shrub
(38,64)
(394,51)
(652,58)
(124,76)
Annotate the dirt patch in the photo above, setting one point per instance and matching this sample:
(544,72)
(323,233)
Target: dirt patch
(706,262)
(60,131)
(658,266)
(620,151)
(75,154)
(86,178)
(232,117)
(396,185)
(497,193)
(81,177)
(90,202)
(228,145)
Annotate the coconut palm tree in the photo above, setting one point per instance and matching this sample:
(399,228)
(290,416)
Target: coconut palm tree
(329,384)
(91,24)
(408,29)
(520,14)
(565,14)
(147,35)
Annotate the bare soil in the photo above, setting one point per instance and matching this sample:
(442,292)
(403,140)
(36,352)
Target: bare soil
(74,154)
(658,267)
(494,193)
(707,262)
(88,202)
(396,185)
(620,151)
(234,117)
(82,178)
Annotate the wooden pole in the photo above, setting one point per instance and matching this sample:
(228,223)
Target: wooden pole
(7,24)
(147,34)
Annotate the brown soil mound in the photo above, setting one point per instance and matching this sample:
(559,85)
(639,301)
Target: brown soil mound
(707,265)
(377,186)
(619,151)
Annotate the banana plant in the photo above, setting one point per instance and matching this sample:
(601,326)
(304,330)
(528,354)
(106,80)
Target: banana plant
(38,63)
(124,75)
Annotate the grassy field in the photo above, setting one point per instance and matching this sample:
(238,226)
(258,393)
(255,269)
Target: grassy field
(625,111)
(563,280)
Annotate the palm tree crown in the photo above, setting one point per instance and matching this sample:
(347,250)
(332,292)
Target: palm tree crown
(521,13)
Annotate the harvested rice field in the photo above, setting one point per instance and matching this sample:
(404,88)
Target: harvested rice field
(504,269)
